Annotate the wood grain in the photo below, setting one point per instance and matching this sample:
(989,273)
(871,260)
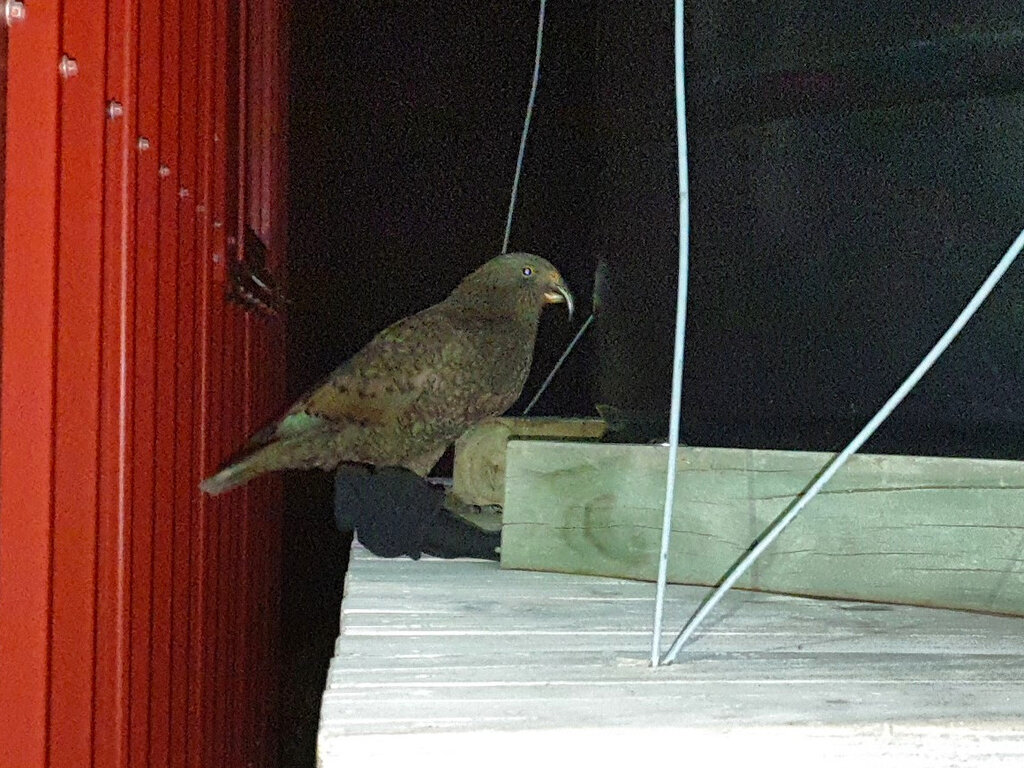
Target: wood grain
(455,660)
(901,529)
(479,471)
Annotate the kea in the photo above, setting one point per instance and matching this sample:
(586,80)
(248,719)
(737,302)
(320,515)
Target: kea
(418,384)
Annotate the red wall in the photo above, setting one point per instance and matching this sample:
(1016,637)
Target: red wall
(138,621)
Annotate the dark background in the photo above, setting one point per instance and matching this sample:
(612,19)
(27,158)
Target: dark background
(855,170)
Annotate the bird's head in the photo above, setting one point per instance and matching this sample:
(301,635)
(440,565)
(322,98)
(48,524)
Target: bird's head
(523,278)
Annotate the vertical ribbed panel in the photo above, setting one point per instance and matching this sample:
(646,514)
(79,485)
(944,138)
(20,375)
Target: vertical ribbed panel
(138,620)
(27,404)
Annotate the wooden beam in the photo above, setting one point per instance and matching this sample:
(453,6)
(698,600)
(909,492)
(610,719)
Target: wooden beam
(478,475)
(901,529)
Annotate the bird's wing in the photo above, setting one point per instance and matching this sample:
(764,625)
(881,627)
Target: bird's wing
(377,385)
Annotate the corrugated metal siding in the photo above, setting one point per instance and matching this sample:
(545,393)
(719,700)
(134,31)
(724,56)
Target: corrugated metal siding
(138,620)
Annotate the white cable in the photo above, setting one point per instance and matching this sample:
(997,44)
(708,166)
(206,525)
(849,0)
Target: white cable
(526,129)
(568,350)
(833,466)
(677,362)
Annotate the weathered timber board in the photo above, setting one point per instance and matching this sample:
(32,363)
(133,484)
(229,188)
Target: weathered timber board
(461,661)
(901,529)
(478,474)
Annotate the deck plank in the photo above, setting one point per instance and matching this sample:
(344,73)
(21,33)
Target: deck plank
(457,658)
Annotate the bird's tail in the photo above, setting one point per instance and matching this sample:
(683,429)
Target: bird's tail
(304,451)
(233,475)
(240,470)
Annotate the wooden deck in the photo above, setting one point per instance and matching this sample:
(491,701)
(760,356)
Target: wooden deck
(464,661)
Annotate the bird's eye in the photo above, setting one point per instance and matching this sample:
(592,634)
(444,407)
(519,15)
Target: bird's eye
(527,272)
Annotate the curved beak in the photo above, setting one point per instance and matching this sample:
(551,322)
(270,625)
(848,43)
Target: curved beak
(560,294)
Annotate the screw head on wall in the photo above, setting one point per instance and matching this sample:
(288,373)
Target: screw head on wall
(68,67)
(14,12)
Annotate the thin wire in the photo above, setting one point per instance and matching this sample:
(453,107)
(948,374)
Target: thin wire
(565,354)
(677,362)
(526,129)
(833,466)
